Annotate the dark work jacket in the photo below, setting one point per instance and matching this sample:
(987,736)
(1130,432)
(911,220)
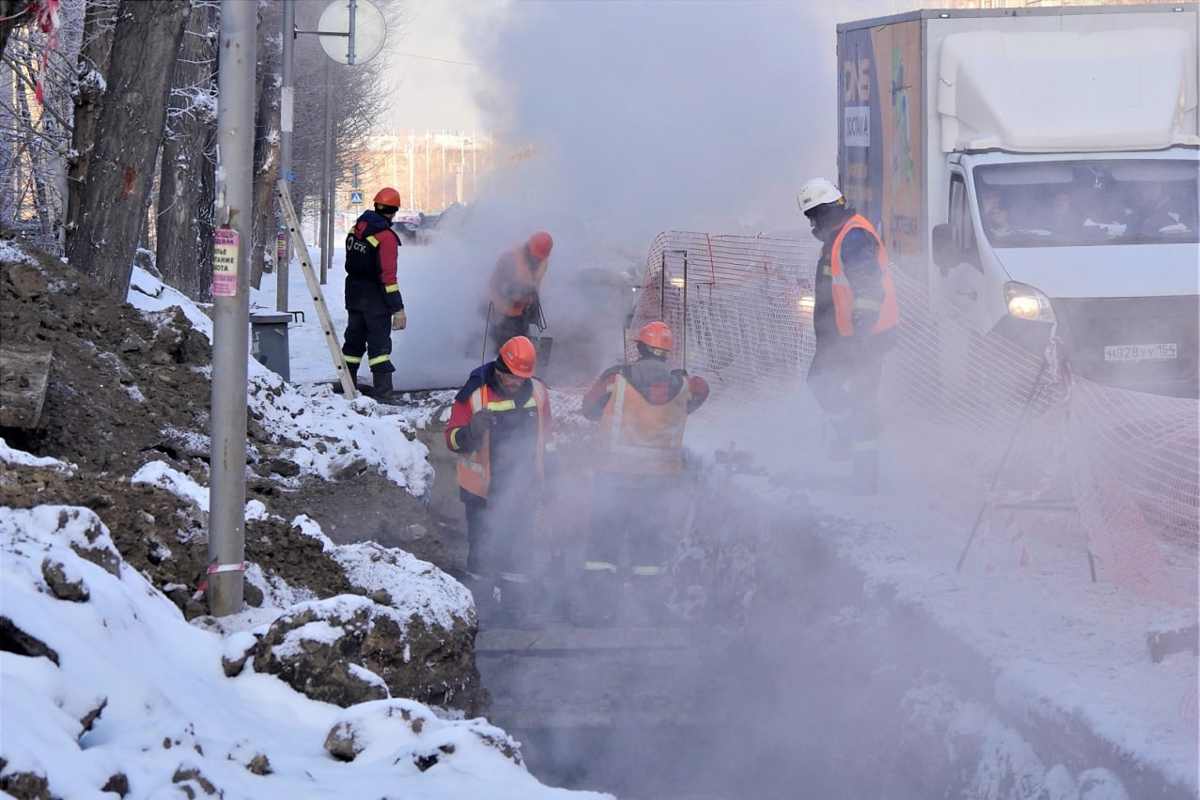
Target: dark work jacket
(513,441)
(859,250)
(372,250)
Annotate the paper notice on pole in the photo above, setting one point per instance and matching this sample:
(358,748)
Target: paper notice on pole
(225,261)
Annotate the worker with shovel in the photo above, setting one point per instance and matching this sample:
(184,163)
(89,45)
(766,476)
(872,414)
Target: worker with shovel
(642,409)
(511,301)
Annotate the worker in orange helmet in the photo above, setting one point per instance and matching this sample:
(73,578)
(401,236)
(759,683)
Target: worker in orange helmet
(642,409)
(501,430)
(374,306)
(512,293)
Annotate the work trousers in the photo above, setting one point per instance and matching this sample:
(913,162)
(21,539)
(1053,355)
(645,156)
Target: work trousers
(844,378)
(370,334)
(634,513)
(500,533)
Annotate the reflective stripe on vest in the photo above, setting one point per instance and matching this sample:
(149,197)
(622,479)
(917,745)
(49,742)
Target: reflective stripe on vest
(474,468)
(844,302)
(640,438)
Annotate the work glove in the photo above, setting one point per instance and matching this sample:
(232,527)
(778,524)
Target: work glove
(480,422)
(399,320)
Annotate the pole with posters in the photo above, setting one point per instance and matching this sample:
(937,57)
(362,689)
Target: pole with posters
(231,306)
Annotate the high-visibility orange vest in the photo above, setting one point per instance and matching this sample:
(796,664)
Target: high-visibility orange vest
(844,301)
(528,273)
(639,438)
(474,468)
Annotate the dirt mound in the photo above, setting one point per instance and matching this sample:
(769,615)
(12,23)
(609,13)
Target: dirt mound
(126,388)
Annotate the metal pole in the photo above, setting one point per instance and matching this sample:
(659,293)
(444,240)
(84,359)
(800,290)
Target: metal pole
(231,309)
(683,333)
(327,181)
(286,114)
(412,201)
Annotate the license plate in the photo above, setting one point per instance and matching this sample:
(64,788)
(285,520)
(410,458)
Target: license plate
(1133,353)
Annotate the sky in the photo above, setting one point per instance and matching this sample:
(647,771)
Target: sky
(1058,645)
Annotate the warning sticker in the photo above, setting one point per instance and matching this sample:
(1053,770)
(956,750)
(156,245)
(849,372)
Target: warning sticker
(225,261)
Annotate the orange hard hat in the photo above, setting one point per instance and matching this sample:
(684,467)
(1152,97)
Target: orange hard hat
(519,356)
(540,245)
(388,196)
(658,337)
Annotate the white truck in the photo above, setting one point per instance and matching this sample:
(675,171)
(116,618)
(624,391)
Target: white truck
(1038,168)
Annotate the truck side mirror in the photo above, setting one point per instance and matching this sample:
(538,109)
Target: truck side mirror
(945,253)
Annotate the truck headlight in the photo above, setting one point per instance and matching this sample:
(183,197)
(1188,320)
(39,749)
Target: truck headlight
(1026,302)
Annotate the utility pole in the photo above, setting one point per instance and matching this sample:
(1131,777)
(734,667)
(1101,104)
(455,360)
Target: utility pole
(231,307)
(286,116)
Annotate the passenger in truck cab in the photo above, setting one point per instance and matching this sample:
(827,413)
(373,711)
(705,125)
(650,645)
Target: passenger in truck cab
(1062,217)
(994,211)
(1152,212)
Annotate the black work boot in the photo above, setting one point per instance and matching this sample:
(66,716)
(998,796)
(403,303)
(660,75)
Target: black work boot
(649,595)
(382,390)
(598,594)
(520,606)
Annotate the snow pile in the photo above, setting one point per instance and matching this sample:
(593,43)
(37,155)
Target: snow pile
(108,688)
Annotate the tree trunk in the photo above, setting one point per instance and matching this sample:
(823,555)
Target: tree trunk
(266,143)
(99,22)
(187,177)
(129,132)
(12,14)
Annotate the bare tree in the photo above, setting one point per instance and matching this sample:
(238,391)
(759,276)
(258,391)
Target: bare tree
(185,223)
(129,132)
(35,113)
(99,22)
(358,103)
(14,13)
(266,141)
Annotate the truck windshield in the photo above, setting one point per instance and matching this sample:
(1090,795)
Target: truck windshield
(1074,203)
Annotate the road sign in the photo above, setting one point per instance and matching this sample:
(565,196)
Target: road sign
(356,198)
(348,43)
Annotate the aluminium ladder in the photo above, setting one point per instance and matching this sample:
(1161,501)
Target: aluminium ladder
(314,290)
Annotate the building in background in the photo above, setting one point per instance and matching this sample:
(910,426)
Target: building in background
(430,170)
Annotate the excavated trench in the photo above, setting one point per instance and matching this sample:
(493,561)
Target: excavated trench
(782,674)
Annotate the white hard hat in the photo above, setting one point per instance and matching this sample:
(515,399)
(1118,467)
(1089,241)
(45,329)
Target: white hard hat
(818,192)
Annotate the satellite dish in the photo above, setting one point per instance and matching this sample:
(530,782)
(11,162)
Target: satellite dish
(364,42)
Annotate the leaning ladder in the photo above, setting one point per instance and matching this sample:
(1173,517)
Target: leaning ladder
(314,290)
